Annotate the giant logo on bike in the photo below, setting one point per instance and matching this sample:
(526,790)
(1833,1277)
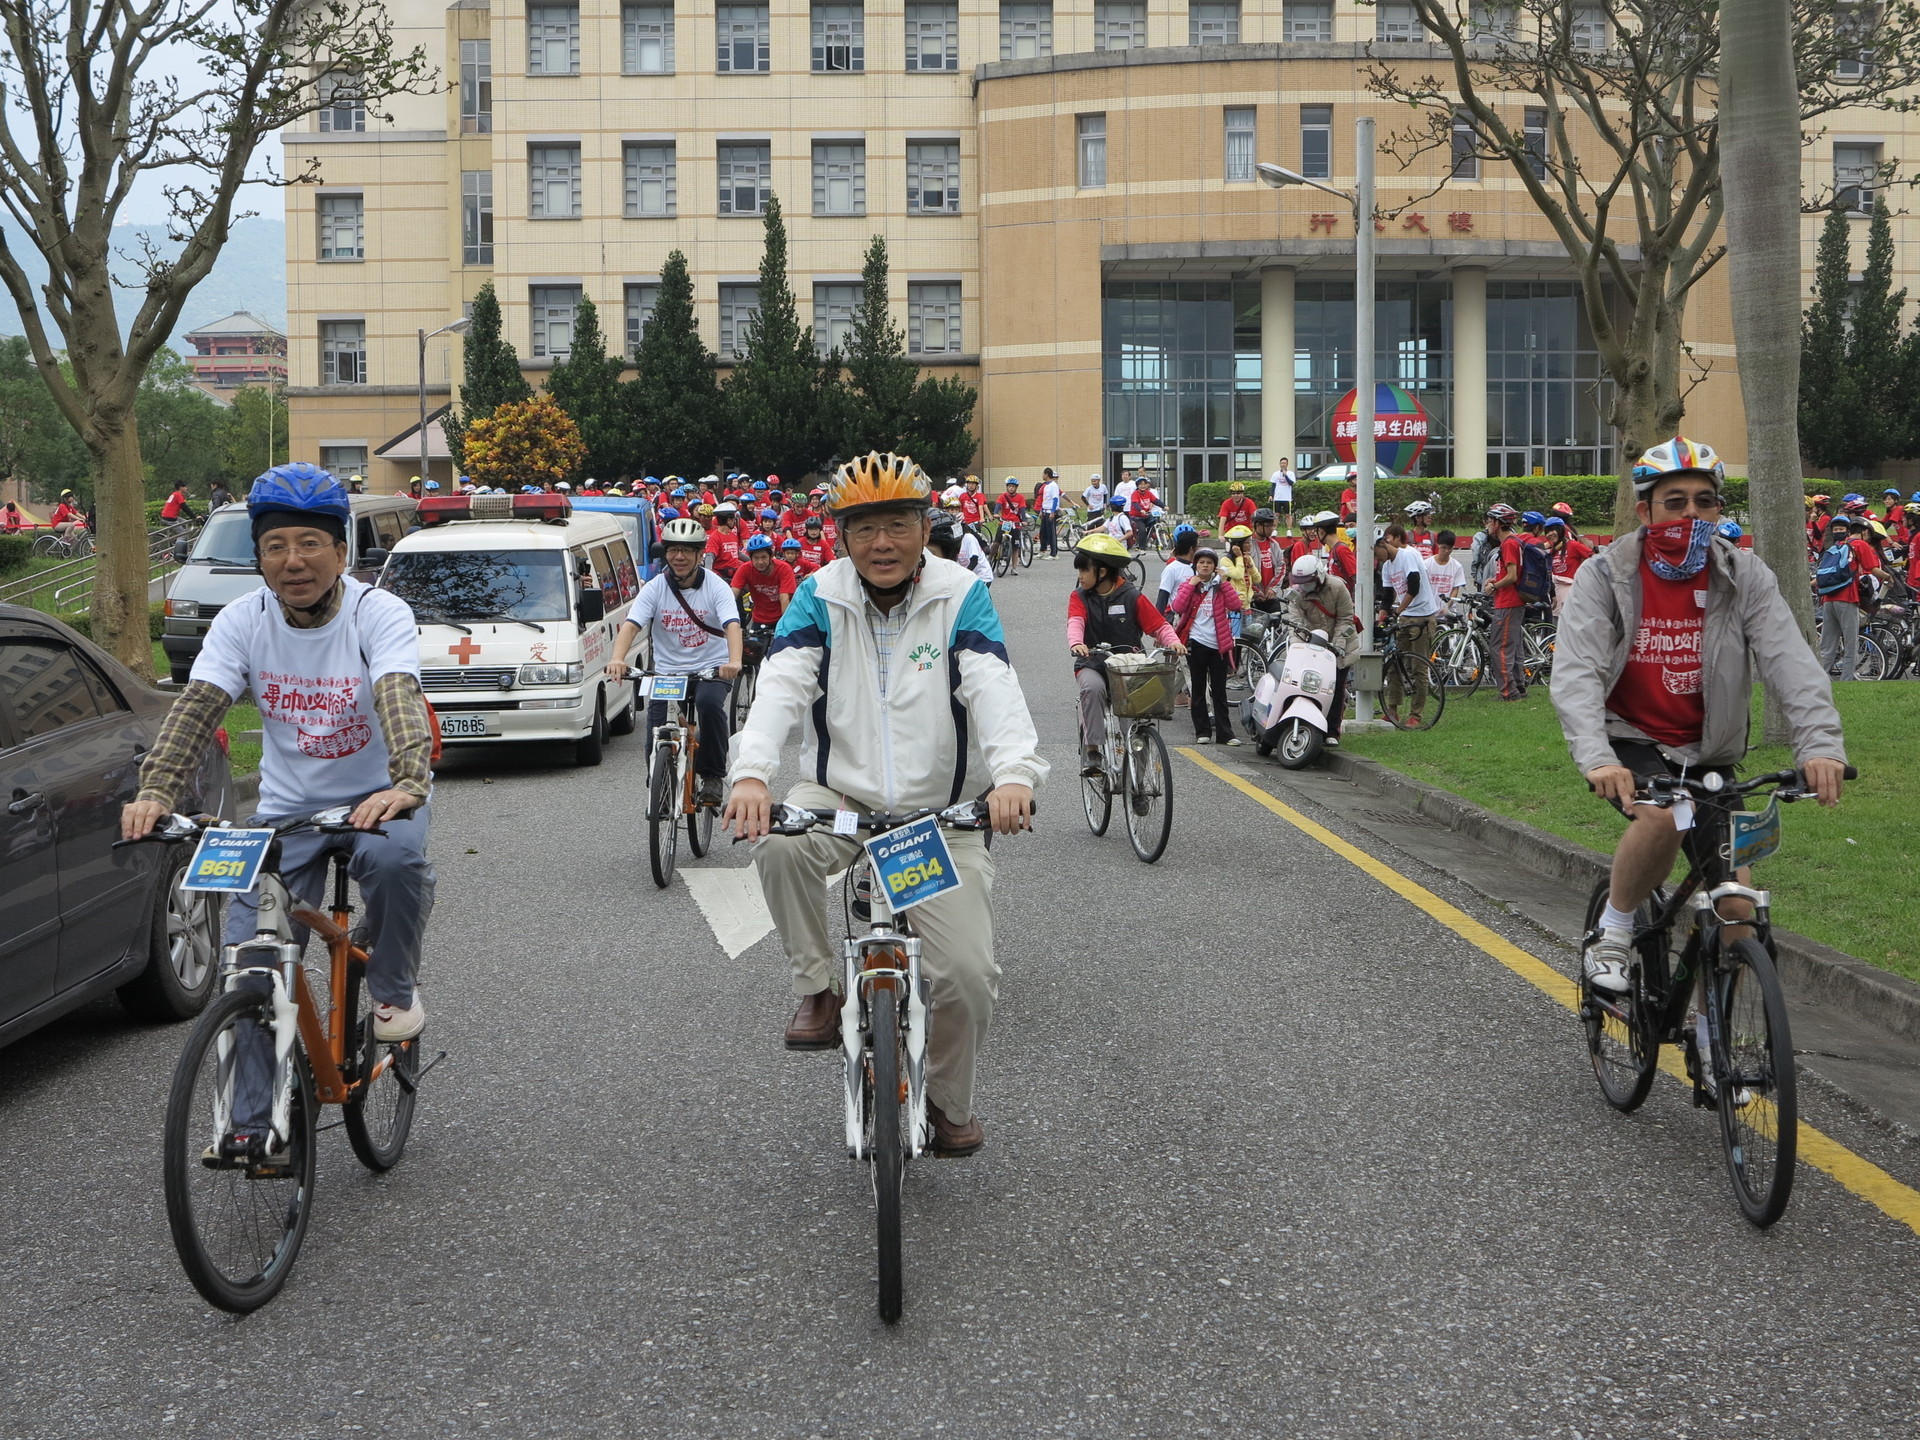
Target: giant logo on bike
(1399,427)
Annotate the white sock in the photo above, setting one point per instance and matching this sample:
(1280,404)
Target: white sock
(1612,919)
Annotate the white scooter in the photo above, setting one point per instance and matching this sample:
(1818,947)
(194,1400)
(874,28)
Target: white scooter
(1290,706)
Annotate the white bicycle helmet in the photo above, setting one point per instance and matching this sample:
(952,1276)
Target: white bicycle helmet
(1418,508)
(684,532)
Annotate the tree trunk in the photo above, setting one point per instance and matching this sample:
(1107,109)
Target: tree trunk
(120,575)
(1760,162)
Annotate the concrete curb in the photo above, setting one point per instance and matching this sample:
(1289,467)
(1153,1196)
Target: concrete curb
(1873,996)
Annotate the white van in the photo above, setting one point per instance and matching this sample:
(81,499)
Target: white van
(517,598)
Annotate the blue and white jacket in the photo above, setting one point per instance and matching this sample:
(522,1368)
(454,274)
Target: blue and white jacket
(954,722)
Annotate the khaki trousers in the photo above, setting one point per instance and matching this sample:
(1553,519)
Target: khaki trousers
(955,930)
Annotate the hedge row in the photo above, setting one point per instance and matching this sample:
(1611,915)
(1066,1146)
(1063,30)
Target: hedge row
(15,551)
(1464,502)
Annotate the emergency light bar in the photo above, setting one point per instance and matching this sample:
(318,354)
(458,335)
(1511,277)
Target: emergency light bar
(438,509)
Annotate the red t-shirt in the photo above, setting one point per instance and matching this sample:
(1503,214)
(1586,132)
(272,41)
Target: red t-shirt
(1422,541)
(1348,499)
(1273,557)
(1236,510)
(176,502)
(1010,507)
(1568,559)
(1864,563)
(814,553)
(972,506)
(766,587)
(1658,692)
(1140,504)
(723,544)
(1508,597)
(1340,563)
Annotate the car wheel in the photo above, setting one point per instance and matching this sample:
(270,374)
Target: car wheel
(628,720)
(590,748)
(183,948)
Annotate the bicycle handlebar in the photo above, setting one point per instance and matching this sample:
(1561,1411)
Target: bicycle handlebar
(177,829)
(1791,785)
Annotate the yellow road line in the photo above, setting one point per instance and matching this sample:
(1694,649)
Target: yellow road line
(1822,1151)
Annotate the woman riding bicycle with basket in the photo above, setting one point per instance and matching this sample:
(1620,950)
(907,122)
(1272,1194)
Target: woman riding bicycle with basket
(1105,609)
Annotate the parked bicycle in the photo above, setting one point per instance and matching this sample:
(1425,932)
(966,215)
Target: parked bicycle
(1738,1049)
(1141,691)
(672,790)
(1398,668)
(239,1212)
(884,1018)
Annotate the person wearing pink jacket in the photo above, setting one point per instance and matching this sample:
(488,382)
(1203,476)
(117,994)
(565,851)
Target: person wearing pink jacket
(1202,612)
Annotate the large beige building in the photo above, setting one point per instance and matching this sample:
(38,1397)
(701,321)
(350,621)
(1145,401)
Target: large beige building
(1067,192)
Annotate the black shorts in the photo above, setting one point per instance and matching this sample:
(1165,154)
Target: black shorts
(1646,759)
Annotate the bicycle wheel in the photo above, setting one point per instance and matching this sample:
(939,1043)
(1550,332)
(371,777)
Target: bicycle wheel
(46,544)
(379,1115)
(1406,668)
(1002,554)
(887,1149)
(741,701)
(1096,795)
(1872,664)
(237,1231)
(700,831)
(1137,567)
(1460,659)
(1622,1042)
(1148,793)
(663,815)
(1759,1108)
(1026,547)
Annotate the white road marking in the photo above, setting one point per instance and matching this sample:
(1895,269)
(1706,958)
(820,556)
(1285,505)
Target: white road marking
(733,905)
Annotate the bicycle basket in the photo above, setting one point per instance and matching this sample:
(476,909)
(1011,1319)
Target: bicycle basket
(1254,628)
(1140,687)
(1755,835)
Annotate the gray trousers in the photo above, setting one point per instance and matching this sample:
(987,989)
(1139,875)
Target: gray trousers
(1840,626)
(1093,705)
(955,930)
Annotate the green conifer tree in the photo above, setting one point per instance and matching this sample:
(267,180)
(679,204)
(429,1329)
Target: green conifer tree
(674,400)
(880,379)
(936,433)
(780,391)
(1829,399)
(586,384)
(489,369)
(1873,349)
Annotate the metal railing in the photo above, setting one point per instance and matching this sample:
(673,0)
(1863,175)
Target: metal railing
(68,587)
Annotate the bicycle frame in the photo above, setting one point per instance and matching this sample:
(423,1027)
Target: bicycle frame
(887,957)
(680,731)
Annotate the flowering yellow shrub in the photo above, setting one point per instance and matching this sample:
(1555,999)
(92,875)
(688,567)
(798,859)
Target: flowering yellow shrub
(530,442)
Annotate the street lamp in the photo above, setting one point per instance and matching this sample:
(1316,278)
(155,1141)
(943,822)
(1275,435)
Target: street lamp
(1361,199)
(454,328)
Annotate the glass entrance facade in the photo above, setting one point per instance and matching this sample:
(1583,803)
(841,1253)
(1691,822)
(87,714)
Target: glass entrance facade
(1413,347)
(1547,401)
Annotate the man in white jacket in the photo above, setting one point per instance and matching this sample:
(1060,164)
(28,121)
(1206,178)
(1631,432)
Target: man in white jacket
(895,660)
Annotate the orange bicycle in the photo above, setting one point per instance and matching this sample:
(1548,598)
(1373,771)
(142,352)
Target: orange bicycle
(269,1053)
(671,785)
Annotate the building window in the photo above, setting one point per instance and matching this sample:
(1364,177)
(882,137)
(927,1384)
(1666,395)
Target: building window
(343,352)
(646,39)
(839,39)
(1466,160)
(1534,132)
(342,221)
(553,307)
(933,318)
(746,179)
(1396,20)
(651,181)
(1026,31)
(1091,131)
(476,87)
(834,307)
(738,305)
(1854,22)
(1492,22)
(476,216)
(1316,141)
(839,177)
(553,177)
(641,300)
(1119,24)
(1589,30)
(342,109)
(1308,22)
(933,177)
(1213,24)
(1239,149)
(933,37)
(343,460)
(741,33)
(553,40)
(1856,175)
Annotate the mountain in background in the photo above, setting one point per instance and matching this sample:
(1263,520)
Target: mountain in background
(251,274)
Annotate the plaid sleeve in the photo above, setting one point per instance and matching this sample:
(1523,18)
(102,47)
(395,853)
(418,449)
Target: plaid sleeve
(402,711)
(167,774)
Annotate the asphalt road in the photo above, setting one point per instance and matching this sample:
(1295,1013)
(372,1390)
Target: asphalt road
(1269,1153)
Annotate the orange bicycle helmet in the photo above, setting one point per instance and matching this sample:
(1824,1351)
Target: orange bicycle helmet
(878,482)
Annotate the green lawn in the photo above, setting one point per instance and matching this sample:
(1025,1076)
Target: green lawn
(1837,877)
(245,752)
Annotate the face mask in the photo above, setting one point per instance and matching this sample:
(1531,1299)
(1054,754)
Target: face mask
(1677,550)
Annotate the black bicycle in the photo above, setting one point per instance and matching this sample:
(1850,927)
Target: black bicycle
(1747,1074)
(753,651)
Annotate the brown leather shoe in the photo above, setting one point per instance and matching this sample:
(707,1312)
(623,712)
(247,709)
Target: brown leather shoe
(816,1022)
(951,1140)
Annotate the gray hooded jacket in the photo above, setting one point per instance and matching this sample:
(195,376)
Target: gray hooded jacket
(1747,621)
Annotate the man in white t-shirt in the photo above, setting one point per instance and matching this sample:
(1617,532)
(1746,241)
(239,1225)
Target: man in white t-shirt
(1447,571)
(334,667)
(1282,482)
(1050,512)
(692,623)
(1094,497)
(1124,490)
(1413,609)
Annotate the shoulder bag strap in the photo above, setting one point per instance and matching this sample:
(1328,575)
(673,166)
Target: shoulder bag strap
(680,595)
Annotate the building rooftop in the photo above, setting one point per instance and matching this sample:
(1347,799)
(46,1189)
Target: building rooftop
(240,322)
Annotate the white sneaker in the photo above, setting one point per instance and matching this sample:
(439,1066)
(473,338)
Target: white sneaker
(1606,959)
(392,1024)
(1203,740)
(1230,742)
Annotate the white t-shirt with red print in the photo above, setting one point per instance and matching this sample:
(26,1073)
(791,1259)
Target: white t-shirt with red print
(321,744)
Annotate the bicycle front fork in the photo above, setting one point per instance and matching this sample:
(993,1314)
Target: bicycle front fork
(864,968)
(278,974)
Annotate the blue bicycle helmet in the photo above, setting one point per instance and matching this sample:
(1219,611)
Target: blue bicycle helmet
(1116,504)
(792,542)
(1180,532)
(758,543)
(759,485)
(1853,497)
(1916,497)
(1729,530)
(773,515)
(1533,517)
(299,494)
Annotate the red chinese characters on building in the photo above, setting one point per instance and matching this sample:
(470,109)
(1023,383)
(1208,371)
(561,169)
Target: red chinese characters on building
(1416,221)
(1385,427)
(1321,222)
(1460,222)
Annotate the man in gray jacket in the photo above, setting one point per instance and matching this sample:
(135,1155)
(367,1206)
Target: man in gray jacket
(1652,675)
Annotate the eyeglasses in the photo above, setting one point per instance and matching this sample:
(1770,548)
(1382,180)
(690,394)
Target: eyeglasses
(901,527)
(308,549)
(1705,500)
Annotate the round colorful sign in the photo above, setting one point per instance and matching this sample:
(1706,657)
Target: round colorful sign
(1399,427)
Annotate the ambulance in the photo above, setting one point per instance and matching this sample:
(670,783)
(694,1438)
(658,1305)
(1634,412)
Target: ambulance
(517,598)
